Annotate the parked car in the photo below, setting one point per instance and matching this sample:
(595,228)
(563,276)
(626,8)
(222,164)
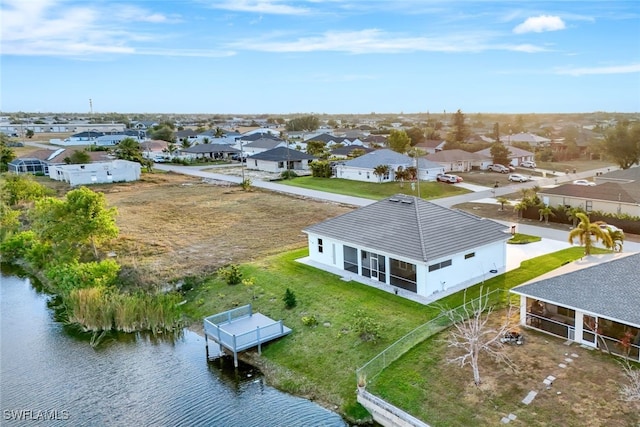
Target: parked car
(528,164)
(584,182)
(450,178)
(605,226)
(516,177)
(498,168)
(159,159)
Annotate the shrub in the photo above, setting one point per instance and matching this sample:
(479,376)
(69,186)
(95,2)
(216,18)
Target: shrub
(17,246)
(232,274)
(309,320)
(288,174)
(367,328)
(289,299)
(246,184)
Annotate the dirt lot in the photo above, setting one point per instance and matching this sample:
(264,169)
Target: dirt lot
(182,226)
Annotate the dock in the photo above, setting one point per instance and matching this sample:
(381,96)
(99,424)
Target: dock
(240,329)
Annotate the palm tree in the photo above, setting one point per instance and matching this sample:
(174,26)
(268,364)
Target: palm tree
(571,214)
(520,207)
(502,201)
(584,232)
(617,236)
(544,212)
(401,175)
(380,171)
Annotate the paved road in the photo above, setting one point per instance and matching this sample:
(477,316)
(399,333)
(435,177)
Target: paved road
(553,239)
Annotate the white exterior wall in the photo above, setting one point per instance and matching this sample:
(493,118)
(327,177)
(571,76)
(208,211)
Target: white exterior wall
(465,272)
(597,205)
(462,272)
(96,173)
(429,174)
(357,174)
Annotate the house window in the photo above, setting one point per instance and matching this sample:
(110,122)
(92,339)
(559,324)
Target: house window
(351,259)
(403,275)
(320,247)
(588,205)
(439,265)
(469,255)
(386,175)
(280,165)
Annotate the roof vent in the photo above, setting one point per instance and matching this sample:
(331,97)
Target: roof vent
(394,200)
(407,201)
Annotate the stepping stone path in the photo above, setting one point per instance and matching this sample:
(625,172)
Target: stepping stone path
(547,382)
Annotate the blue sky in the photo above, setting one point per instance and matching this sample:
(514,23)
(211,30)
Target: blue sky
(319,56)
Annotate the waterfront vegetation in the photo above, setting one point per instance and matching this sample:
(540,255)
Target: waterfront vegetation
(319,362)
(374,190)
(59,240)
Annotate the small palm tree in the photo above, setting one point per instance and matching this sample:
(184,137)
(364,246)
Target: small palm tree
(380,171)
(571,215)
(545,211)
(520,207)
(585,230)
(401,175)
(502,201)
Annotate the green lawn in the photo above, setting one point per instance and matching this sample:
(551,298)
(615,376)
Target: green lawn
(375,191)
(319,362)
(523,239)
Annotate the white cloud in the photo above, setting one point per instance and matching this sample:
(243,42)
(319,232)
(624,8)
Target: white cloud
(539,24)
(614,69)
(274,7)
(58,28)
(376,41)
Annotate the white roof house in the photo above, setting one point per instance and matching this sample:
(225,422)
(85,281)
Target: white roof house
(96,173)
(361,168)
(404,242)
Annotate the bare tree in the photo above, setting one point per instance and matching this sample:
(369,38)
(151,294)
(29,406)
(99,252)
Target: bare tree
(630,392)
(474,335)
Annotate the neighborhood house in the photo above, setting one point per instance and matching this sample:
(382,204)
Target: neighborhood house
(597,306)
(362,168)
(96,173)
(406,242)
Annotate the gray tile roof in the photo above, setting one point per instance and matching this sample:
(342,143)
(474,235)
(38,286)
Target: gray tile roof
(210,148)
(513,152)
(609,191)
(610,289)
(412,228)
(265,143)
(455,155)
(380,157)
(282,154)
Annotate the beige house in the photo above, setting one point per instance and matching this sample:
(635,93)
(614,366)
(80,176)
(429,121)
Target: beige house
(610,197)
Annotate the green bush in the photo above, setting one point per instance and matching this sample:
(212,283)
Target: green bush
(17,246)
(232,274)
(309,320)
(289,299)
(288,174)
(367,328)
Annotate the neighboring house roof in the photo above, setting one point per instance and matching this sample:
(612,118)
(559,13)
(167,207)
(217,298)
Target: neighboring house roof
(257,136)
(411,228)
(609,191)
(210,148)
(527,137)
(58,156)
(608,289)
(347,149)
(513,152)
(379,157)
(454,155)
(88,134)
(267,143)
(628,175)
(280,154)
(375,139)
(430,143)
(185,133)
(324,137)
(154,145)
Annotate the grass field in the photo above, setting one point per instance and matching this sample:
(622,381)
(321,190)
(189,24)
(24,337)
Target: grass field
(376,191)
(319,362)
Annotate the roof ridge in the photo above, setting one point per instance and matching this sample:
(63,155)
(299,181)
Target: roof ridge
(423,246)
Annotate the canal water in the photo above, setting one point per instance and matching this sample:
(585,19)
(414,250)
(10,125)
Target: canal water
(52,377)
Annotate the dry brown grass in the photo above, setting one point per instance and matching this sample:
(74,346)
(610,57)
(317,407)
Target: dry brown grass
(173,226)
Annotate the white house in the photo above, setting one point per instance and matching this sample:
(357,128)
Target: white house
(459,160)
(406,242)
(609,197)
(96,173)
(361,168)
(597,306)
(261,145)
(279,160)
(516,155)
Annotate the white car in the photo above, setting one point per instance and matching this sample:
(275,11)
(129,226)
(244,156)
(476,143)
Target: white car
(498,168)
(584,182)
(609,227)
(528,164)
(516,177)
